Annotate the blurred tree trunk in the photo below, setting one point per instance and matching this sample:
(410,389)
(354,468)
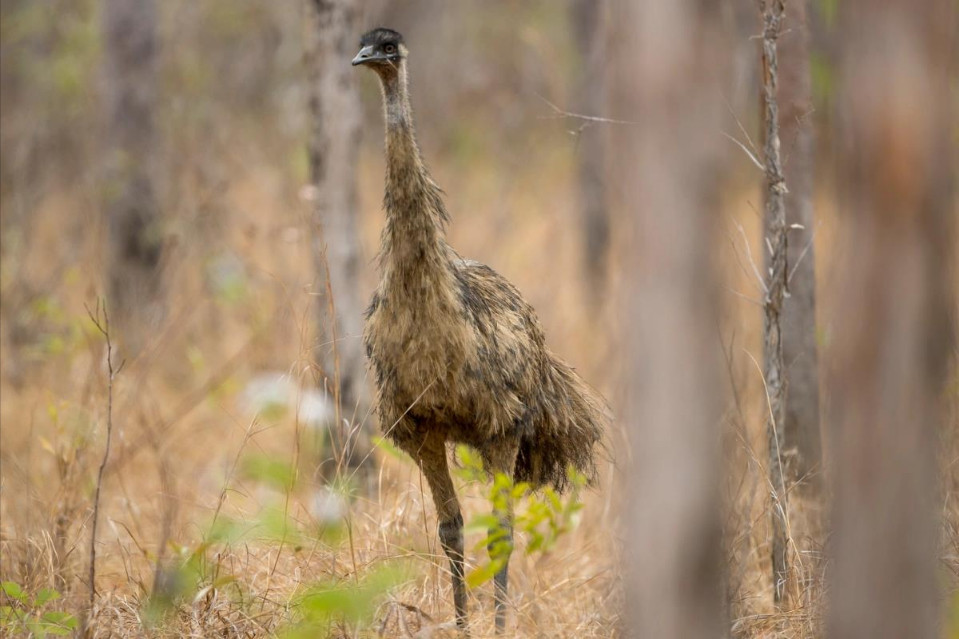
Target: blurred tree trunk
(334,153)
(801,435)
(669,58)
(132,210)
(586,17)
(897,163)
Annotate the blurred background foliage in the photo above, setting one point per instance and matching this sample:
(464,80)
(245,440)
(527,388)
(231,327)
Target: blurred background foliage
(233,124)
(232,104)
(230,369)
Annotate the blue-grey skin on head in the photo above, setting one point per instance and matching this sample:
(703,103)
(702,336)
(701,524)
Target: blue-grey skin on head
(380,46)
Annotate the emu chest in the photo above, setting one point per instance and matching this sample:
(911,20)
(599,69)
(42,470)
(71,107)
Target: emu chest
(417,353)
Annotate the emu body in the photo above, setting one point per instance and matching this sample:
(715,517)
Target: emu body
(457,354)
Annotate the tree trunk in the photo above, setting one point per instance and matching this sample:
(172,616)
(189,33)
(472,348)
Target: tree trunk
(896,176)
(130,86)
(669,59)
(334,151)
(801,435)
(586,17)
(773,12)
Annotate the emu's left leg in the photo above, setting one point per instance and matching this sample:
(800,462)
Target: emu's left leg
(501,546)
(431,456)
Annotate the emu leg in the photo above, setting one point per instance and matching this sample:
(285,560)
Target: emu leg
(432,460)
(451,537)
(502,546)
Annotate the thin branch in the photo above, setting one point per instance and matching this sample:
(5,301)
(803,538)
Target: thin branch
(773,13)
(742,129)
(579,116)
(101,320)
(751,300)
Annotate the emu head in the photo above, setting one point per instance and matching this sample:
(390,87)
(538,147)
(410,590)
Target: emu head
(382,50)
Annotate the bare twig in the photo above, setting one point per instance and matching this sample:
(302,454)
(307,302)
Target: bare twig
(752,262)
(101,320)
(751,300)
(579,116)
(742,129)
(748,153)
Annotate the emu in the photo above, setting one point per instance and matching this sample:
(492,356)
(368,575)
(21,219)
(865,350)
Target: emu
(458,356)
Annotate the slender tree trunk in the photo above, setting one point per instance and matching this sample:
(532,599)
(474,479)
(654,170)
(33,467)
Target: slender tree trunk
(801,435)
(130,198)
(586,17)
(897,163)
(334,151)
(773,12)
(669,59)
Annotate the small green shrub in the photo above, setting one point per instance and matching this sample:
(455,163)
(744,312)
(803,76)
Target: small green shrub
(23,614)
(543,516)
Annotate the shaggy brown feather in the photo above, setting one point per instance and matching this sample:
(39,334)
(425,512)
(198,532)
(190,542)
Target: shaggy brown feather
(458,354)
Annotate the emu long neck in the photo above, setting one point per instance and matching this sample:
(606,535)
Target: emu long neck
(399,114)
(414,245)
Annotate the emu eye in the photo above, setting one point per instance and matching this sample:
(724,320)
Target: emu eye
(390,48)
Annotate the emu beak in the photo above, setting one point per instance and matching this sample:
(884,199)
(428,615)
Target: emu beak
(365,55)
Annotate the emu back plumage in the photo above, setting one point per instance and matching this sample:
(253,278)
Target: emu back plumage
(478,369)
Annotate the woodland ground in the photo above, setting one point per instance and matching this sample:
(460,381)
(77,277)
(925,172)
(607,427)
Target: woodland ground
(240,305)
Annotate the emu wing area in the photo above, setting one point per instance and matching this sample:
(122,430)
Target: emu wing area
(497,383)
(501,377)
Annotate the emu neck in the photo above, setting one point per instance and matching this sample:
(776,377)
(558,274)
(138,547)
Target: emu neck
(414,247)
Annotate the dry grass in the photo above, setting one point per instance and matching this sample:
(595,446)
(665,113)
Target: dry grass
(181,424)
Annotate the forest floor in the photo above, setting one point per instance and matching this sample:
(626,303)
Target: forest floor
(193,448)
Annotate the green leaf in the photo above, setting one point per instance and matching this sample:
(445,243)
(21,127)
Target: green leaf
(46,595)
(59,623)
(224,530)
(482,522)
(277,524)
(535,543)
(13,590)
(502,482)
(471,464)
(520,490)
(495,535)
(274,472)
(554,500)
(500,549)
(354,602)
(484,573)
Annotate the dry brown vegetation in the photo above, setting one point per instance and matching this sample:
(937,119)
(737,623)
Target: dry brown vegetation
(241,302)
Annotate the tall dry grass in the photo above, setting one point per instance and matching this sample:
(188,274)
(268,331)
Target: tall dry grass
(182,423)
